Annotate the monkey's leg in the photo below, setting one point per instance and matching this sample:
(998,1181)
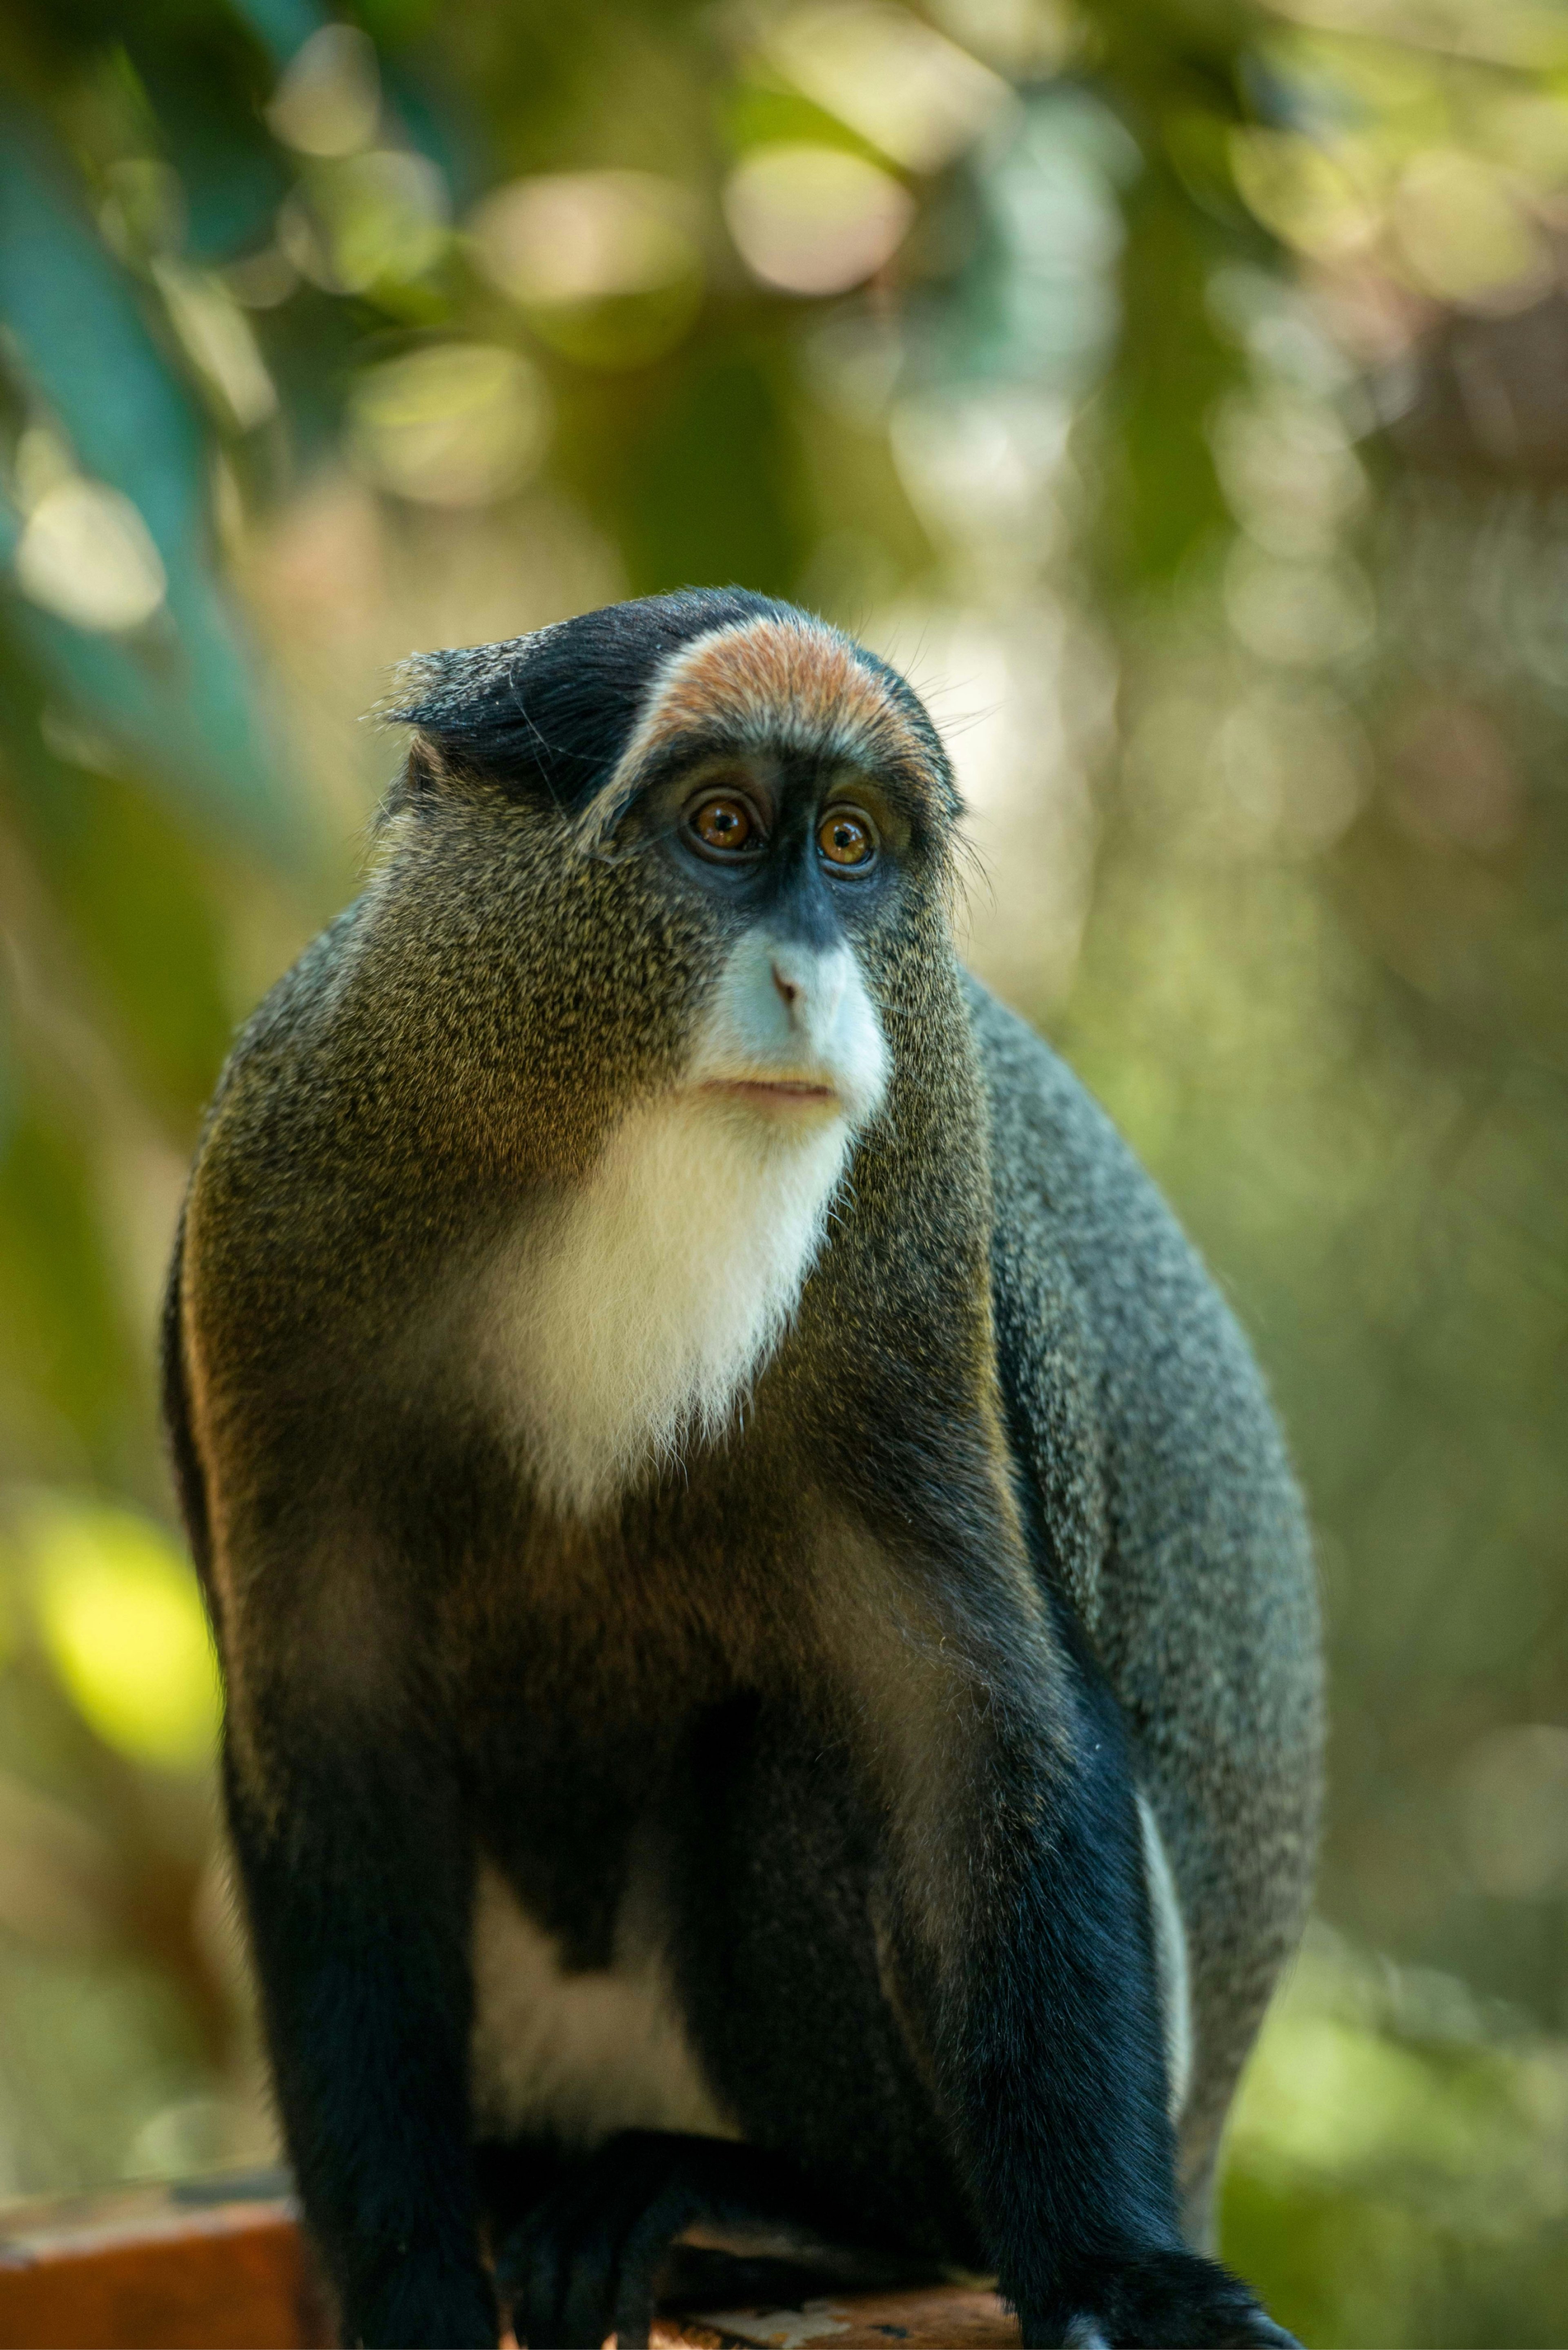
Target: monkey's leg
(1022,1923)
(587,2261)
(357,1880)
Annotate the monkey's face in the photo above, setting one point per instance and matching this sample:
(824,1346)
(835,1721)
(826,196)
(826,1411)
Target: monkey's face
(793,864)
(713,832)
(702,857)
(788,793)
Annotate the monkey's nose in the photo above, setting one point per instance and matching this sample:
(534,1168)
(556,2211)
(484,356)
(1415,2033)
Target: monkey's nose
(809,986)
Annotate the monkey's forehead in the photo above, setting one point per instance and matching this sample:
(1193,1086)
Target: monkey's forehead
(588,709)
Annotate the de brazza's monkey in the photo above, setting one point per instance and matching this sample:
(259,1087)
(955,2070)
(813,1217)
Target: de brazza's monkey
(771,1658)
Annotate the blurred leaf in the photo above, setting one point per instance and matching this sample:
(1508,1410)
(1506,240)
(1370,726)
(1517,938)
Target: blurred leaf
(82,344)
(712,488)
(62,1335)
(140,904)
(283,25)
(1164,503)
(122,1622)
(1399,2161)
(205,78)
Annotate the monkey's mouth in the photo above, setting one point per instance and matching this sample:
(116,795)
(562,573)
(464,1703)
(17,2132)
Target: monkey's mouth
(777,1093)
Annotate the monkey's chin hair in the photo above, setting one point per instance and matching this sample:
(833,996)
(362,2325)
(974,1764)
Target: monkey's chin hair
(638,1311)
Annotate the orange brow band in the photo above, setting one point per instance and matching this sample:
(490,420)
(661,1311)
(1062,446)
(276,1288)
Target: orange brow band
(766,680)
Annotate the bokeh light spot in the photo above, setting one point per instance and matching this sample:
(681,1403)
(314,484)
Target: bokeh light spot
(901,84)
(814,220)
(1464,235)
(581,236)
(605,264)
(458,424)
(329,98)
(370,220)
(122,1621)
(87,555)
(1314,199)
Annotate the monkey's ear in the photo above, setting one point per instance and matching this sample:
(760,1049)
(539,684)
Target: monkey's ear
(523,717)
(424,770)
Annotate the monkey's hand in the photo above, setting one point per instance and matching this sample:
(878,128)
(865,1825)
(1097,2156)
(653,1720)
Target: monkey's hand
(1153,2301)
(587,2261)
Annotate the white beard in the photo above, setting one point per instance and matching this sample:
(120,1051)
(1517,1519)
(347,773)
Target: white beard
(640,1309)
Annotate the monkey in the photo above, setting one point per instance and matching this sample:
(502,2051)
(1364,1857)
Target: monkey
(768,1630)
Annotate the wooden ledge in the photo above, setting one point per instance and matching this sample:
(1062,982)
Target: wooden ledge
(218,2263)
(934,2317)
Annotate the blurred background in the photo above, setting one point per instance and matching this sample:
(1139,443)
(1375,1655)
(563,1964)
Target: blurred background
(1178,390)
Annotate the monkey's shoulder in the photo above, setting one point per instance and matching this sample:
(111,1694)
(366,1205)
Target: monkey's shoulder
(1072,1204)
(306,1145)
(1057,1158)
(280,1067)
(1134,1394)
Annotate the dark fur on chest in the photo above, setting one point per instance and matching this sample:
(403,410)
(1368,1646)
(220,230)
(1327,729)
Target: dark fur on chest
(576,1669)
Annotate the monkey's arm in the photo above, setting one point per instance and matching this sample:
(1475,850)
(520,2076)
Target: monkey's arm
(354,1860)
(356,1877)
(1025,1950)
(1202,1601)
(341,1789)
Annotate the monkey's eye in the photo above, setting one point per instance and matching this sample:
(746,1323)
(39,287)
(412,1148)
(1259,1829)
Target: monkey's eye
(845,837)
(725,826)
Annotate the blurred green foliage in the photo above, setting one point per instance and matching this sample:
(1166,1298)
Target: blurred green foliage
(1179,390)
